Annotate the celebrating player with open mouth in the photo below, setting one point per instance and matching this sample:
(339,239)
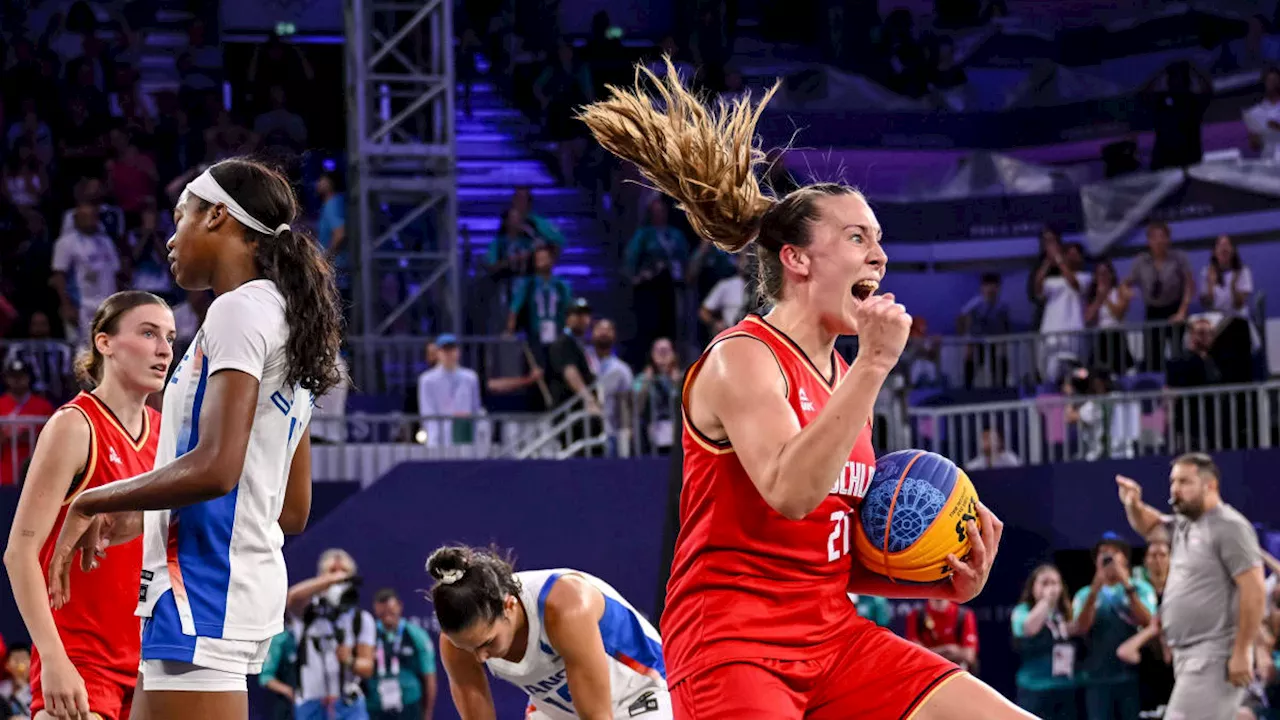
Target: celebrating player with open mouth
(777,446)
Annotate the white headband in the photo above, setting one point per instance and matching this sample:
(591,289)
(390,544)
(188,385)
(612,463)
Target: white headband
(207,188)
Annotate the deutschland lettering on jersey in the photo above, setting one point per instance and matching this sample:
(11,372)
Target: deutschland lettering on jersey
(746,582)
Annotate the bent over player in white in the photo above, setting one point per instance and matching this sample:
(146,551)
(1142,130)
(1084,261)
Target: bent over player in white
(568,639)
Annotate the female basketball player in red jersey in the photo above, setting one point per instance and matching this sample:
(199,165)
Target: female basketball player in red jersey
(85,659)
(777,447)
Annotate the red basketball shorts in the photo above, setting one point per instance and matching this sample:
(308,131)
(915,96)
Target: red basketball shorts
(875,675)
(110,697)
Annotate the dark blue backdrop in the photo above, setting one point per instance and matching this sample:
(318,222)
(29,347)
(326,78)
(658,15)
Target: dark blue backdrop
(606,517)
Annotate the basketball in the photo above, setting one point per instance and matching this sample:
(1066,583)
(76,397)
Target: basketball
(914,515)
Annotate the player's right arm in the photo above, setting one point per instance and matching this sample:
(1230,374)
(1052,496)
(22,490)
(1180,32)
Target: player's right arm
(742,393)
(467,683)
(60,454)
(1142,517)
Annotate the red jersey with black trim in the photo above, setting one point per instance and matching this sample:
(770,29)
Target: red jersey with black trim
(97,625)
(746,582)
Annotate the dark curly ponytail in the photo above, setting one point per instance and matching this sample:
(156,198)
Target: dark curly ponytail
(295,263)
(472,585)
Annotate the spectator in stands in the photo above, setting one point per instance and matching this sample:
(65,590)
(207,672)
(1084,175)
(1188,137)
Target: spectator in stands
(657,394)
(449,390)
(227,138)
(572,370)
(81,151)
(278,126)
(1106,304)
(88,257)
(1147,649)
(540,301)
(25,181)
(945,74)
(1050,239)
(18,400)
(510,254)
(1263,120)
(1195,367)
(948,629)
(1195,418)
(1107,613)
(727,303)
(15,691)
(279,675)
(605,55)
(148,260)
(1178,97)
(91,191)
(86,77)
(277,63)
(403,686)
(985,315)
(1163,276)
(331,230)
(34,130)
(336,641)
(561,89)
(132,177)
(919,359)
(655,262)
(1225,287)
(48,360)
(876,609)
(1041,623)
(905,70)
(668,47)
(539,227)
(993,453)
(615,380)
(1063,317)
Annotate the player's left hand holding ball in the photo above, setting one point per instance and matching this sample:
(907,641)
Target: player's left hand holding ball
(79,532)
(970,576)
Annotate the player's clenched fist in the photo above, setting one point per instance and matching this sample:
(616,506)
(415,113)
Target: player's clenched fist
(883,326)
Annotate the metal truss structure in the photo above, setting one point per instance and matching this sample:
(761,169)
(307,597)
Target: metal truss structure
(401,172)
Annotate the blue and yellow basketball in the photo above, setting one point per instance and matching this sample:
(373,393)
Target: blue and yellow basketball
(914,515)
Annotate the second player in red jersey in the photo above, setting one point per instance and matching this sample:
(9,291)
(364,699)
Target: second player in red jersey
(86,654)
(777,455)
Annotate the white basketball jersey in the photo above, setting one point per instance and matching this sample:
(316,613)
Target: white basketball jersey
(633,645)
(221,558)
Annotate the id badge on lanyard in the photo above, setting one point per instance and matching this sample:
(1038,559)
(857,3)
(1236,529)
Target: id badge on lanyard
(1064,653)
(389,695)
(546,304)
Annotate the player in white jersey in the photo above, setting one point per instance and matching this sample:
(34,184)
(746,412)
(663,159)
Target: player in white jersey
(233,470)
(566,638)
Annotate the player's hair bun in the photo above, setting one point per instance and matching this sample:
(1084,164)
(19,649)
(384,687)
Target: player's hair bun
(449,564)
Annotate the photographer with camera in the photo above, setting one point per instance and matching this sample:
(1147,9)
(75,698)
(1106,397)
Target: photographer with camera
(335,641)
(1107,613)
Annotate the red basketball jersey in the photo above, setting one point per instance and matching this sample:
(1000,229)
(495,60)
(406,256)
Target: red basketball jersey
(97,625)
(747,582)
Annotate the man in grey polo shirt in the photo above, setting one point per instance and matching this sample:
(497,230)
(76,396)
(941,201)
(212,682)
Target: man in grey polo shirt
(1213,599)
